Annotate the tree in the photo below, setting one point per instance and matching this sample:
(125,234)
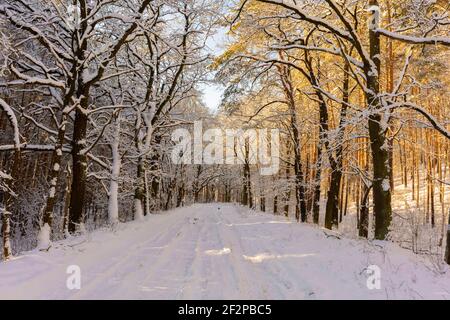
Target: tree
(7,187)
(341,24)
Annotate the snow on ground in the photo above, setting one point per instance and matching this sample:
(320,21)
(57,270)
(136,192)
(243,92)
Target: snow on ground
(221,251)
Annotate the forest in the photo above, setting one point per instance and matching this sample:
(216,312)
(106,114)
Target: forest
(91,92)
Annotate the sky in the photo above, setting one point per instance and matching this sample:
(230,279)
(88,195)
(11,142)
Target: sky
(211,92)
(211,95)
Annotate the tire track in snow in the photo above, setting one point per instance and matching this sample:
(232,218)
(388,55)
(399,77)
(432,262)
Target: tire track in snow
(213,271)
(247,277)
(162,273)
(102,278)
(283,285)
(196,280)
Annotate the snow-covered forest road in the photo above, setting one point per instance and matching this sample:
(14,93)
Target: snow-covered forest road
(220,251)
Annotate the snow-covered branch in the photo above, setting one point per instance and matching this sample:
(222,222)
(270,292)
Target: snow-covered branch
(13,120)
(445,41)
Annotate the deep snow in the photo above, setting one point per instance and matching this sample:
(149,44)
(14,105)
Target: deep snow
(221,251)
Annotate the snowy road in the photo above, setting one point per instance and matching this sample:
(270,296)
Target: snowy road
(218,251)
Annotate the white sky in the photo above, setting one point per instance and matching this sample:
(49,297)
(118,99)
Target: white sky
(211,92)
(211,95)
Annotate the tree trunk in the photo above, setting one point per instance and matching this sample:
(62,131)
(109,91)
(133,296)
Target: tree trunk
(113,200)
(300,210)
(262,201)
(275,205)
(447,250)
(6,231)
(317,183)
(332,206)
(7,209)
(247,192)
(323,135)
(65,226)
(139,192)
(147,193)
(287,194)
(155,184)
(378,141)
(364,214)
(56,163)
(79,165)
(79,158)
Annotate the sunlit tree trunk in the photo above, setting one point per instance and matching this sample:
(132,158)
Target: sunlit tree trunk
(332,206)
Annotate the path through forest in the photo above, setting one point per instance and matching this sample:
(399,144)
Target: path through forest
(220,251)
